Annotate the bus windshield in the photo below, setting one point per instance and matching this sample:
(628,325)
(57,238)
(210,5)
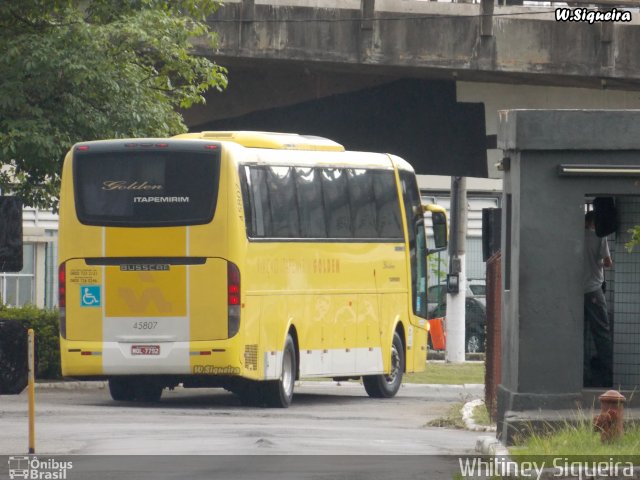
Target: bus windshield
(146,188)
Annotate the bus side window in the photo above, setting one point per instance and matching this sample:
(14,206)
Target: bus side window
(311,210)
(363,203)
(260,218)
(336,202)
(387,205)
(283,202)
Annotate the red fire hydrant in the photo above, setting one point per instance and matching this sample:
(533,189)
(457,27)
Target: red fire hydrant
(610,421)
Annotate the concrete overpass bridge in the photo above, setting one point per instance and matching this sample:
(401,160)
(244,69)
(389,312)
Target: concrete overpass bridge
(423,79)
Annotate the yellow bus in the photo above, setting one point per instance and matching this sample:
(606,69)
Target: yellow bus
(243,260)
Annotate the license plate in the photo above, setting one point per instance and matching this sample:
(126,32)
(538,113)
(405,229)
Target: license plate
(145,350)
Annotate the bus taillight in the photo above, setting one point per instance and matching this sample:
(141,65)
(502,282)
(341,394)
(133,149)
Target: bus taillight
(62,299)
(233,298)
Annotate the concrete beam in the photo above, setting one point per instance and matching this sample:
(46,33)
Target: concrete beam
(454,40)
(605,3)
(569,130)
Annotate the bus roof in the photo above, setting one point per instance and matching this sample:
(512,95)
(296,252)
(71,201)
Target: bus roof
(279,141)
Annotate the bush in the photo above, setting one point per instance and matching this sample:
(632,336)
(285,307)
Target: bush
(45,324)
(635,238)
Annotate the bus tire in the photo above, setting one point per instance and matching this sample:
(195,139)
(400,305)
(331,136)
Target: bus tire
(148,392)
(386,386)
(121,390)
(249,392)
(279,393)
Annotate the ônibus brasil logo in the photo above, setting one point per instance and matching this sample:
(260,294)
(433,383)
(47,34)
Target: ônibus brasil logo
(33,468)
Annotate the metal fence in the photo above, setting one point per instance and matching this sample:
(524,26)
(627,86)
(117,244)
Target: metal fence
(623,287)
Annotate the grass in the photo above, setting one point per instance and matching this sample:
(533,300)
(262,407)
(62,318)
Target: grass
(453,419)
(480,415)
(448,373)
(577,441)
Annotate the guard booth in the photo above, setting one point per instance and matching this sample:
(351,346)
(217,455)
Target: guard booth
(556,164)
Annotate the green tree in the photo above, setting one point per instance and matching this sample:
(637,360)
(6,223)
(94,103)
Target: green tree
(77,70)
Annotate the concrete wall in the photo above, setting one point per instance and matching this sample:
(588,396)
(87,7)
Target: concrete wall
(499,96)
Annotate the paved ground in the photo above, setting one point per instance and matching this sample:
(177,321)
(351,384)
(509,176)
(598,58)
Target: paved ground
(325,419)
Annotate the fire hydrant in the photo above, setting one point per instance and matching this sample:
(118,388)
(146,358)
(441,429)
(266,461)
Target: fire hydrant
(610,421)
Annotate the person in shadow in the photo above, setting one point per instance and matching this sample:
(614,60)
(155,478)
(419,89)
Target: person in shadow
(598,371)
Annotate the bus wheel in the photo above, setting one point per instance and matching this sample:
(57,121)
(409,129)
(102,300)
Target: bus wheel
(249,392)
(386,386)
(148,392)
(121,390)
(279,393)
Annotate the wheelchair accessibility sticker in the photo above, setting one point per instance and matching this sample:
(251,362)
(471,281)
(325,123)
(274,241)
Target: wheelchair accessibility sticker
(90,296)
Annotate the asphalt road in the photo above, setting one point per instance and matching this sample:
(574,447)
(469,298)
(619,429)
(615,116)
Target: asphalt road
(326,421)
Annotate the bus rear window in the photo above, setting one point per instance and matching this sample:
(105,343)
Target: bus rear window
(146,188)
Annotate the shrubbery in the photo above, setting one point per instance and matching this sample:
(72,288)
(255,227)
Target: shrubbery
(635,238)
(45,324)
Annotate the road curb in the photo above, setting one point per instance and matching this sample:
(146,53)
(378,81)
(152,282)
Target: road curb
(467,417)
(488,445)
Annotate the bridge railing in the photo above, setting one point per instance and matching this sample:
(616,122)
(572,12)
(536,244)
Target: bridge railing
(552,3)
(365,5)
(369,8)
(351,4)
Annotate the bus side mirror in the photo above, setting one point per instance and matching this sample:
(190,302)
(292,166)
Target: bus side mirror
(439,222)
(10,234)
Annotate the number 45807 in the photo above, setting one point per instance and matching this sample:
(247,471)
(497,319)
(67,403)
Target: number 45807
(145,325)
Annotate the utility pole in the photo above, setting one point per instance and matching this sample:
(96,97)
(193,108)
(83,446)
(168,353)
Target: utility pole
(457,278)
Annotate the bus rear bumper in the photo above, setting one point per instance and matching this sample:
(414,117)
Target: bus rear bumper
(82,358)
